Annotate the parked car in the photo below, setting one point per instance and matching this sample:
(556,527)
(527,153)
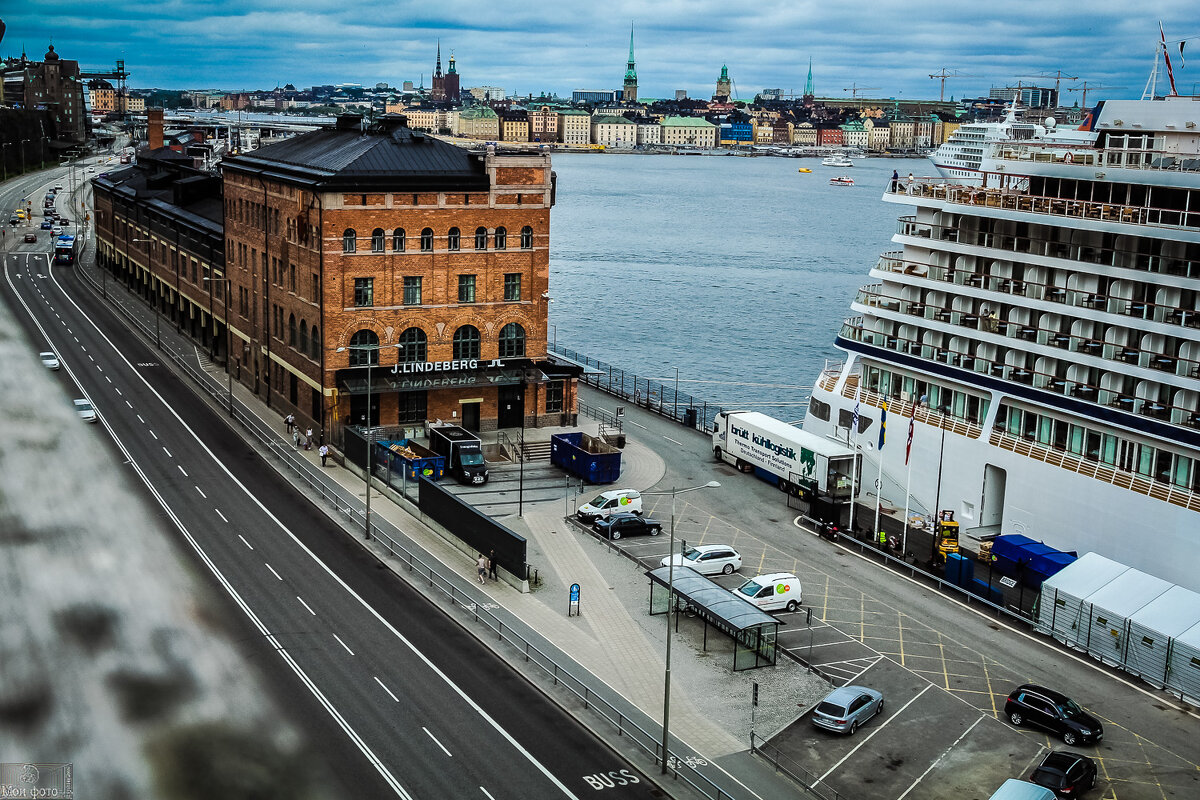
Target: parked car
(777,590)
(49,359)
(31,237)
(613,501)
(615,526)
(1052,711)
(1013,789)
(1066,774)
(85,411)
(708,559)
(844,709)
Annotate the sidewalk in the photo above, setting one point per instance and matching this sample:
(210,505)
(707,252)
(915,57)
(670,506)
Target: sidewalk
(615,639)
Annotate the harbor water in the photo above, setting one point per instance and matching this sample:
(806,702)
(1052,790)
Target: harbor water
(737,272)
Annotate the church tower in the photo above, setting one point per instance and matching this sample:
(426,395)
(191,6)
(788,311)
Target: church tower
(438,92)
(723,92)
(451,85)
(629,95)
(809,95)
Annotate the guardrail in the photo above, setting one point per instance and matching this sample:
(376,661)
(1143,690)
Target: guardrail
(633,724)
(784,764)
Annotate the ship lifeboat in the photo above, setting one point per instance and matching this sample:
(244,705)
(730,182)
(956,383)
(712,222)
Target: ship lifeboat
(804,169)
(841,180)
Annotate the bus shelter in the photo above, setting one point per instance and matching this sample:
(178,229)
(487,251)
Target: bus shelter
(754,632)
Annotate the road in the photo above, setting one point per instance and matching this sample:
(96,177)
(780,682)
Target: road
(870,624)
(404,701)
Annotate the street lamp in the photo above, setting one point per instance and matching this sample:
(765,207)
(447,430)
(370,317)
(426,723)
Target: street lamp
(375,348)
(23,141)
(228,333)
(670,597)
(4,158)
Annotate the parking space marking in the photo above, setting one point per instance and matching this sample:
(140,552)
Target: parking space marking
(871,735)
(938,760)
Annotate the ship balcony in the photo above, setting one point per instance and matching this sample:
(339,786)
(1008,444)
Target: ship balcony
(1109,157)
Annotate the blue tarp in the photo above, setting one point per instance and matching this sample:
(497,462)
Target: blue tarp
(1021,557)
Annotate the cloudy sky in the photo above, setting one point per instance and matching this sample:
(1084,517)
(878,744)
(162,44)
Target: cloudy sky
(889,47)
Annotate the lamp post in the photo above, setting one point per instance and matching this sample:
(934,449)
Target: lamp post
(228,333)
(937,498)
(4,157)
(675,396)
(157,337)
(666,724)
(23,141)
(375,348)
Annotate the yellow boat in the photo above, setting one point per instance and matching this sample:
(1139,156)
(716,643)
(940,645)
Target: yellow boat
(804,169)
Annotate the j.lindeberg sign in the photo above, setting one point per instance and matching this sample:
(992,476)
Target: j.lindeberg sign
(446,366)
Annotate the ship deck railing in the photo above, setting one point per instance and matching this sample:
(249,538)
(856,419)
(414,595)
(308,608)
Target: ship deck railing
(1112,387)
(1018,200)
(1110,157)
(1073,253)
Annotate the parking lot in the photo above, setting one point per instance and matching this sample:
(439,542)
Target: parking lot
(943,733)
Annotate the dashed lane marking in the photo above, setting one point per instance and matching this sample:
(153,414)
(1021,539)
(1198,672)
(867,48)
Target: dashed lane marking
(273,572)
(343,644)
(389,691)
(435,741)
(222,516)
(243,538)
(181,469)
(168,452)
(201,491)
(309,608)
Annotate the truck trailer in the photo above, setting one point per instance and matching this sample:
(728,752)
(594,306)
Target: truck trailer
(463,453)
(796,461)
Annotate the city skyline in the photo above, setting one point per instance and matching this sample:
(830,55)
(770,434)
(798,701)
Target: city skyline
(889,53)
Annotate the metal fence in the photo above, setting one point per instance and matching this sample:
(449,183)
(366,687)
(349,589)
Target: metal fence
(662,398)
(784,764)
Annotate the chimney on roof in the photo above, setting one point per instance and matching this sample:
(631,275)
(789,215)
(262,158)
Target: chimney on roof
(391,122)
(349,122)
(154,127)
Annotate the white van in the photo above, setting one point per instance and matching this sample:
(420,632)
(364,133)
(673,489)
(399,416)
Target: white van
(611,502)
(772,592)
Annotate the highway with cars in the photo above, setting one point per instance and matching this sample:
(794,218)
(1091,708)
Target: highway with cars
(945,670)
(403,701)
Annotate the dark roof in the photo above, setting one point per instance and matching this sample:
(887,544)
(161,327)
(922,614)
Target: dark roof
(722,604)
(382,158)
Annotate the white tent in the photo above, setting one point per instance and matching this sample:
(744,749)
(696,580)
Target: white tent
(1061,611)
(1153,629)
(1183,665)
(1110,607)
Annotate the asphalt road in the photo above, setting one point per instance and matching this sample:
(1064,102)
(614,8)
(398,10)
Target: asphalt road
(872,624)
(404,701)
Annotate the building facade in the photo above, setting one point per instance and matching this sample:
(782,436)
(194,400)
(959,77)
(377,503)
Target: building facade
(612,131)
(689,132)
(575,126)
(514,126)
(382,276)
(543,125)
(53,84)
(478,122)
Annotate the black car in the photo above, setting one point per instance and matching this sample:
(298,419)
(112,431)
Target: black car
(1066,774)
(615,526)
(1055,712)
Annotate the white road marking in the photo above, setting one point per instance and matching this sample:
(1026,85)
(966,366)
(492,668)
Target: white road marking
(273,572)
(877,729)
(386,689)
(129,404)
(99,368)
(91,358)
(222,516)
(155,435)
(343,644)
(108,379)
(485,791)
(938,760)
(168,452)
(676,441)
(118,391)
(435,741)
(181,469)
(139,416)
(201,491)
(643,427)
(243,538)
(301,599)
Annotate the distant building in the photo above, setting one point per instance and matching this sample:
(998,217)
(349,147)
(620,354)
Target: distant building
(1028,96)
(771,94)
(487,94)
(613,131)
(629,90)
(52,84)
(680,94)
(478,122)
(649,132)
(575,126)
(689,132)
(426,119)
(855,134)
(438,91)
(451,84)
(514,126)
(543,125)
(594,96)
(723,92)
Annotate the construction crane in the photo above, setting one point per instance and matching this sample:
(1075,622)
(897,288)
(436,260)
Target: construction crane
(948,73)
(1084,88)
(854,89)
(1058,76)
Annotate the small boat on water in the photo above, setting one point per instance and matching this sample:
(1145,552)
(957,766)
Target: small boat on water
(804,169)
(837,160)
(841,180)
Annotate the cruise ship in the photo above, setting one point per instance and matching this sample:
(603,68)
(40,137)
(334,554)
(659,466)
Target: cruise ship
(1043,331)
(967,156)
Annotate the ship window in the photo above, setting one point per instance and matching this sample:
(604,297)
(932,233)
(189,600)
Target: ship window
(1061,429)
(1145,465)
(1045,430)
(819,409)
(1183,468)
(1162,466)
(1076,443)
(1029,430)
(1109,456)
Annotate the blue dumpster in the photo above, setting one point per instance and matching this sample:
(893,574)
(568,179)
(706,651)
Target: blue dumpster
(411,459)
(585,456)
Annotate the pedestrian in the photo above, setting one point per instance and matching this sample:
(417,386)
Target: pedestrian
(492,565)
(324,451)
(895,181)
(296,438)
(308,439)
(290,422)
(910,183)
(481,567)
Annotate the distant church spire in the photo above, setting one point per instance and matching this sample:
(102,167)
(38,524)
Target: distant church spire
(629,94)
(438,71)
(808,86)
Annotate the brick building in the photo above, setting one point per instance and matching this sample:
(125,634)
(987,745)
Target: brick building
(349,248)
(52,84)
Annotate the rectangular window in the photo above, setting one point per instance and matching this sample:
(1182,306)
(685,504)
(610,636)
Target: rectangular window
(316,287)
(412,290)
(292,278)
(512,286)
(364,292)
(466,288)
(554,397)
(413,406)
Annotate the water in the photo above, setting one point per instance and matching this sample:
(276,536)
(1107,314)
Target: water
(736,271)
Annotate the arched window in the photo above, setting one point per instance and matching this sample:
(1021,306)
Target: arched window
(292,330)
(466,342)
(302,342)
(527,238)
(364,349)
(377,240)
(314,349)
(481,238)
(412,345)
(501,238)
(452,239)
(427,240)
(349,241)
(398,240)
(512,341)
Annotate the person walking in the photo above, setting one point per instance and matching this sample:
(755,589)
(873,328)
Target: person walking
(481,567)
(492,565)
(308,439)
(324,451)
(296,437)
(289,422)
(910,183)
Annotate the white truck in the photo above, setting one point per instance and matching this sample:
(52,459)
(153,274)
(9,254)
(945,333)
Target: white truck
(796,461)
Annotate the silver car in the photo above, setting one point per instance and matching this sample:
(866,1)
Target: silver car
(85,411)
(844,709)
(708,559)
(49,360)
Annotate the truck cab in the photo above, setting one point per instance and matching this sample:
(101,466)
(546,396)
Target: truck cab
(463,453)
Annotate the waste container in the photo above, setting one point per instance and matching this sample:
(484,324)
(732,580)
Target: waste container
(620,441)
(689,417)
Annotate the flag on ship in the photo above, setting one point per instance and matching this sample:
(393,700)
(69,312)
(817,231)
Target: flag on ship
(1167,59)
(912,424)
(882,424)
(854,423)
